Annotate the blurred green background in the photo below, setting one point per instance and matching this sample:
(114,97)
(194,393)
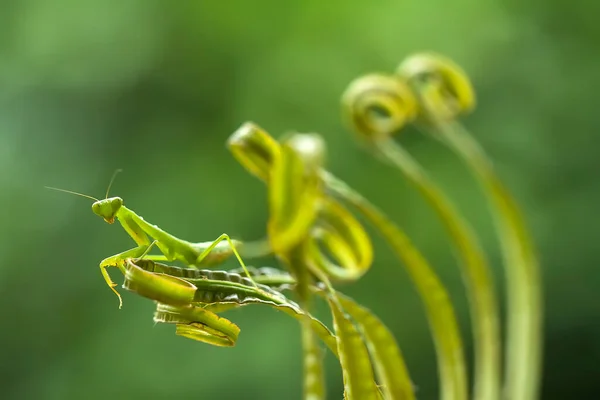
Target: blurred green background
(156,88)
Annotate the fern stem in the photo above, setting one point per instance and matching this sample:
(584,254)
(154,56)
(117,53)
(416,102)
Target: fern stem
(439,309)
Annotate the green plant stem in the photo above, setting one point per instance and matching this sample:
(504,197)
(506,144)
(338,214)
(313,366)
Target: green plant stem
(314,374)
(312,355)
(440,313)
(388,361)
(474,267)
(524,336)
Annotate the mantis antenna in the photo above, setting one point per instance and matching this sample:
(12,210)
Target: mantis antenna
(112,179)
(69,191)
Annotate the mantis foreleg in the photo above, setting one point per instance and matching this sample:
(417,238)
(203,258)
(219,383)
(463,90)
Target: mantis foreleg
(118,261)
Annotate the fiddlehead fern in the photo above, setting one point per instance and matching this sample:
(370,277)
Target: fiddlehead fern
(251,145)
(292,172)
(444,92)
(371,93)
(438,307)
(305,227)
(379,104)
(448,89)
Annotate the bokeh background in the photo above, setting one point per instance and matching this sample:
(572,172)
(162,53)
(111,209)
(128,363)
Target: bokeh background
(156,87)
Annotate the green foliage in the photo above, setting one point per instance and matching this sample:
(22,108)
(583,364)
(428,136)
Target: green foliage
(212,291)
(387,358)
(156,88)
(395,103)
(306,226)
(359,382)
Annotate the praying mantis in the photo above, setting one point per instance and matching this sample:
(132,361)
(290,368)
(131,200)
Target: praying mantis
(202,254)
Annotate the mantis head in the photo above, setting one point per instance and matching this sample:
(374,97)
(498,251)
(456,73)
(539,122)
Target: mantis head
(107,208)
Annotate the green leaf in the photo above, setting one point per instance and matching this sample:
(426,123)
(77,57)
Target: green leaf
(254,149)
(163,288)
(314,375)
(453,95)
(475,270)
(447,87)
(444,92)
(438,307)
(217,291)
(199,324)
(273,277)
(294,191)
(359,382)
(342,236)
(525,335)
(385,353)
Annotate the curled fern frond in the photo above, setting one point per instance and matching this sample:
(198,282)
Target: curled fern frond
(302,216)
(524,338)
(339,233)
(198,324)
(254,149)
(448,88)
(452,94)
(377,105)
(443,92)
(439,309)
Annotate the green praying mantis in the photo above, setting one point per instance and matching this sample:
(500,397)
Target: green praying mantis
(202,254)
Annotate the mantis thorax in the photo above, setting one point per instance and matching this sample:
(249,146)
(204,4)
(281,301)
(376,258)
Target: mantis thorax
(107,208)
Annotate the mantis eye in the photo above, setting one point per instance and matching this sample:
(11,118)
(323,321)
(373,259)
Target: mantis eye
(97,208)
(115,204)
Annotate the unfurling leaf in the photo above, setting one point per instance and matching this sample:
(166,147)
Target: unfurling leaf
(359,382)
(385,353)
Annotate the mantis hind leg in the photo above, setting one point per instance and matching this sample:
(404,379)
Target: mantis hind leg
(214,244)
